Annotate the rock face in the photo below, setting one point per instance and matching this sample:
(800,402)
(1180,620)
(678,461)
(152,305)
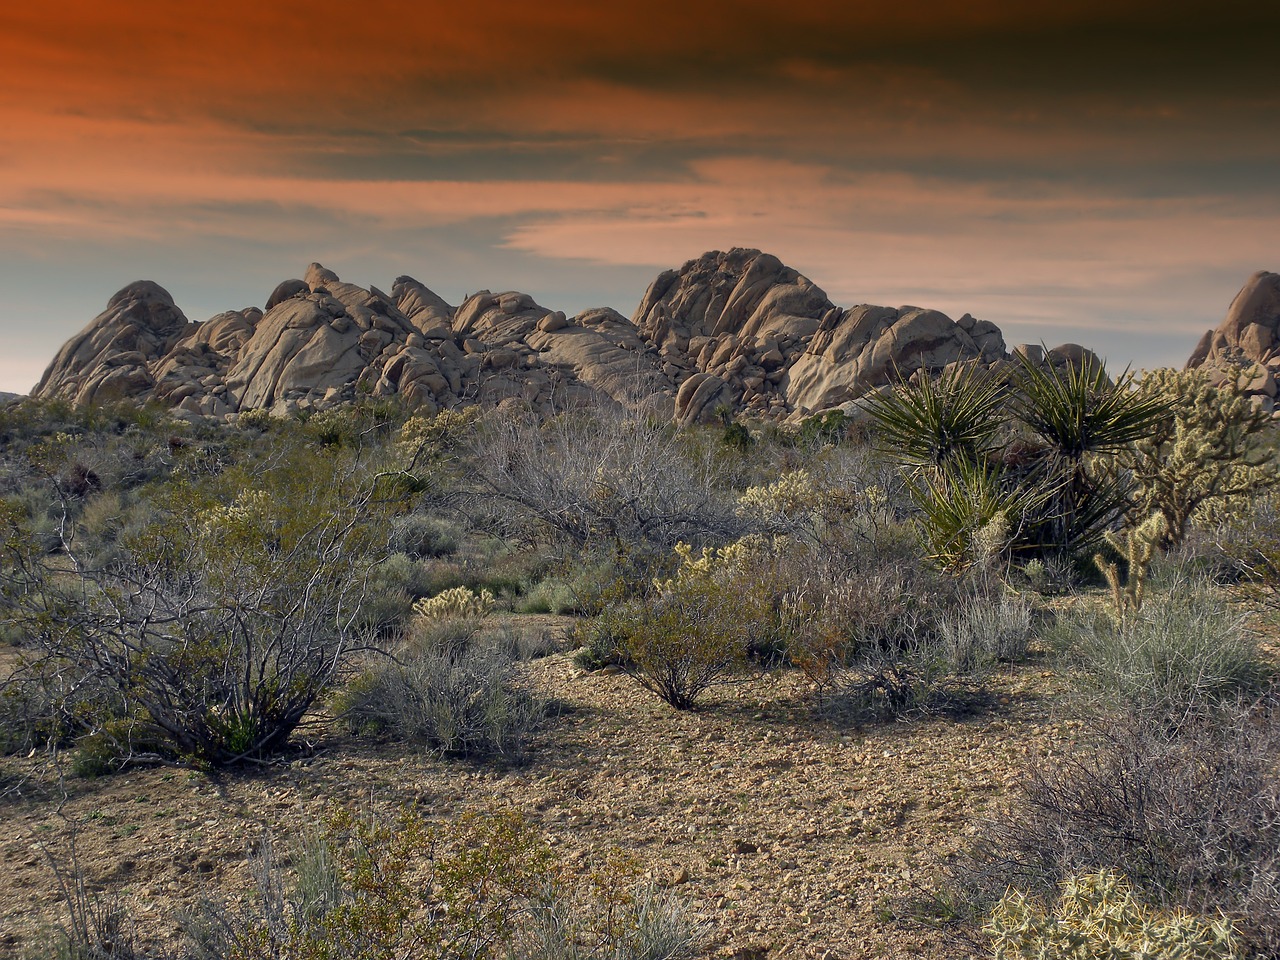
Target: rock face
(112,358)
(1245,346)
(727,333)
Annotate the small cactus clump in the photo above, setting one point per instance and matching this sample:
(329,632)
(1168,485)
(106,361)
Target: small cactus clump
(1138,549)
(1098,915)
(459,602)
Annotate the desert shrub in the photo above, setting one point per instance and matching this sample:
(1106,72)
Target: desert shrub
(608,918)
(1250,541)
(736,436)
(551,595)
(421,535)
(483,886)
(983,629)
(1205,455)
(397,888)
(693,629)
(1191,815)
(225,616)
(601,477)
(1098,915)
(830,427)
(1175,656)
(457,695)
(260,420)
(96,926)
(901,639)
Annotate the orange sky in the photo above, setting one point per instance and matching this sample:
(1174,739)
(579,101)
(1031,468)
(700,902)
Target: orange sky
(1104,172)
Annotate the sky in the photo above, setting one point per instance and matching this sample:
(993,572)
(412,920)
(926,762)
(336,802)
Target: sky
(1100,172)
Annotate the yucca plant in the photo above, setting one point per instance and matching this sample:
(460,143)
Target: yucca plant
(971,512)
(1081,419)
(930,425)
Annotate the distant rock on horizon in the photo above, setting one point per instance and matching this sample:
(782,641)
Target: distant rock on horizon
(1245,346)
(736,332)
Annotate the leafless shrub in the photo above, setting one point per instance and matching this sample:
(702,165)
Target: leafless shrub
(1190,814)
(602,475)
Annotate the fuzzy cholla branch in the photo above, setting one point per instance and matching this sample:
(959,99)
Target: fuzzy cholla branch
(1098,915)
(1138,549)
(1204,453)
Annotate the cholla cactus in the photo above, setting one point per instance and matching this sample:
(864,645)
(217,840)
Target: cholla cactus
(721,564)
(1138,549)
(1099,916)
(250,514)
(792,495)
(1203,455)
(459,602)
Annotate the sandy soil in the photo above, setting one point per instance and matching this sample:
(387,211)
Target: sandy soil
(790,836)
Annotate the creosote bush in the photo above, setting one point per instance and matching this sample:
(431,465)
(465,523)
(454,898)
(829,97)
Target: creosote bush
(693,629)
(216,624)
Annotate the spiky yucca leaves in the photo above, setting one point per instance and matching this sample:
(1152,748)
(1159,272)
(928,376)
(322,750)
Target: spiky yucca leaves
(971,513)
(1205,450)
(936,425)
(1082,419)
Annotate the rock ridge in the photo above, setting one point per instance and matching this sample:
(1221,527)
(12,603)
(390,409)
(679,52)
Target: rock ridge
(728,333)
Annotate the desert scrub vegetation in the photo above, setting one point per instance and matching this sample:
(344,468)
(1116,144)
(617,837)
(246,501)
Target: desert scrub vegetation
(485,885)
(217,618)
(1189,814)
(1205,456)
(1182,653)
(1032,457)
(451,687)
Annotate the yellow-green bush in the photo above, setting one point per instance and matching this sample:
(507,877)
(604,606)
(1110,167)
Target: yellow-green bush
(456,603)
(696,626)
(1098,915)
(1202,457)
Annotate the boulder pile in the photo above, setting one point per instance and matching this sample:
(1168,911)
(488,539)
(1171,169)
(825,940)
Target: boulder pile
(726,334)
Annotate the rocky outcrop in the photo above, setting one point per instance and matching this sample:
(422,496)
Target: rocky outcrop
(1245,346)
(861,348)
(726,334)
(112,358)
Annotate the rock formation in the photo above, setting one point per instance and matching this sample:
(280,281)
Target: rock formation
(727,333)
(1245,346)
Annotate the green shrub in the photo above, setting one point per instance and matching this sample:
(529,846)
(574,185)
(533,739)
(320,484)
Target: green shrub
(552,595)
(482,886)
(457,697)
(694,629)
(421,535)
(222,618)
(1181,653)
(1098,915)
